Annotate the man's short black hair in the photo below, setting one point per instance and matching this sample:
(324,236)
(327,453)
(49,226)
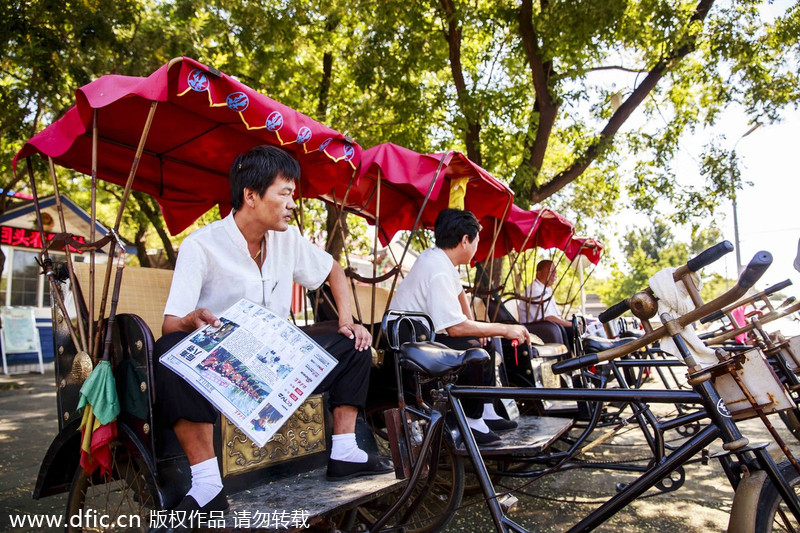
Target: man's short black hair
(257,169)
(451,226)
(544,263)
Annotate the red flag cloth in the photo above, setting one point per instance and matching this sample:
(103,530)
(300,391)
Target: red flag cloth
(96,440)
(203,120)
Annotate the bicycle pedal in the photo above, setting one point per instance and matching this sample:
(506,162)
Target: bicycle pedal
(507,502)
(621,485)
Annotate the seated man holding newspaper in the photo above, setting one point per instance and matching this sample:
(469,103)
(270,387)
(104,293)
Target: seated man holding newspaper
(254,253)
(433,286)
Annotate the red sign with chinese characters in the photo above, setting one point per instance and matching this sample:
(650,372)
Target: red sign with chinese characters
(28,238)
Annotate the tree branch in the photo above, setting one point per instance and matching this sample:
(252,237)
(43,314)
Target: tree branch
(545,105)
(452,35)
(566,176)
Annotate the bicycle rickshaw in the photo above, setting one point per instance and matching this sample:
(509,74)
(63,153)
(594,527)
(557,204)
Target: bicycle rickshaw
(191,121)
(172,136)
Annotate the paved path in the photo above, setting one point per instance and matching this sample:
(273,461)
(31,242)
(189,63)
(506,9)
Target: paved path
(28,425)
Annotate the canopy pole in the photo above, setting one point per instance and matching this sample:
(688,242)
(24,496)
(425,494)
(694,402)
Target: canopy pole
(375,261)
(570,297)
(511,266)
(47,263)
(68,254)
(556,263)
(497,228)
(338,221)
(300,223)
(346,255)
(419,217)
(112,248)
(92,228)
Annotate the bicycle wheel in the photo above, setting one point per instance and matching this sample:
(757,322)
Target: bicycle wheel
(771,513)
(121,503)
(438,507)
(791,421)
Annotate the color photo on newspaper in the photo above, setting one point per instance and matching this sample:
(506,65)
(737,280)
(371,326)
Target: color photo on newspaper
(256,367)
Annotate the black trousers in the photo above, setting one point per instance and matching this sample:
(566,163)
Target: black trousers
(472,375)
(346,384)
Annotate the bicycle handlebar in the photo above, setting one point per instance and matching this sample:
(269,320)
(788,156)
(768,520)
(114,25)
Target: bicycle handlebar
(614,311)
(751,274)
(708,256)
(704,258)
(766,292)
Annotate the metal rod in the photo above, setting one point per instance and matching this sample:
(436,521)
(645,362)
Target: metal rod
(47,262)
(92,229)
(70,269)
(134,167)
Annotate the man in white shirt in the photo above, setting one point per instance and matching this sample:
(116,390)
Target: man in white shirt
(433,286)
(254,253)
(539,311)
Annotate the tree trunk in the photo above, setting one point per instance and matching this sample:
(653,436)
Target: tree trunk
(141,248)
(606,136)
(154,217)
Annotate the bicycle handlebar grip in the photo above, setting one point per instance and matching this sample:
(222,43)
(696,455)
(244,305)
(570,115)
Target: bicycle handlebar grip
(614,311)
(574,364)
(706,257)
(778,286)
(716,315)
(755,269)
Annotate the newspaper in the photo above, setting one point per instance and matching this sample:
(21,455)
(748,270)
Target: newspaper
(255,368)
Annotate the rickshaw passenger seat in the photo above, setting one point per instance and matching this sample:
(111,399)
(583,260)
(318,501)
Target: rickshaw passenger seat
(435,359)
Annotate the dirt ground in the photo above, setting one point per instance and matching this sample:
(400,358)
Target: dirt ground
(28,425)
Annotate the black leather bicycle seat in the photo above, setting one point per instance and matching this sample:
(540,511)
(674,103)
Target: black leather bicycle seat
(598,344)
(435,359)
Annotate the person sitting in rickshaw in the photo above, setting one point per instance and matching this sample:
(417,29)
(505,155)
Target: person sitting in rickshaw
(433,286)
(254,253)
(538,311)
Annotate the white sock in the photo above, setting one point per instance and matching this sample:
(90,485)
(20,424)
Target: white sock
(206,481)
(345,448)
(489,413)
(478,424)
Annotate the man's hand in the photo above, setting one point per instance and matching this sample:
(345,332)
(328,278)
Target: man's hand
(518,333)
(358,332)
(189,322)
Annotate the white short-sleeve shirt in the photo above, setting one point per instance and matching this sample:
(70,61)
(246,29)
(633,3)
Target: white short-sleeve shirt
(432,287)
(531,312)
(215,270)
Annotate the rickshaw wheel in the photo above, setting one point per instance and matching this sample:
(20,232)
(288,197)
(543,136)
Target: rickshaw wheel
(771,513)
(121,503)
(438,507)
(791,421)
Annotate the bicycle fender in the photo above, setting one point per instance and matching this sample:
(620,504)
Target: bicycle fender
(745,501)
(60,461)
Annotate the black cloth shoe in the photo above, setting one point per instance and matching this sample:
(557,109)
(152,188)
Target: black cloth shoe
(376,464)
(501,424)
(486,439)
(186,507)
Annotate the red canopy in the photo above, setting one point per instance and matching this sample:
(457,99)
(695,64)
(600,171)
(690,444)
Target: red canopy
(550,230)
(203,120)
(589,248)
(406,177)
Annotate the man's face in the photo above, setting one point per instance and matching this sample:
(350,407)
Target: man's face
(274,209)
(470,248)
(551,276)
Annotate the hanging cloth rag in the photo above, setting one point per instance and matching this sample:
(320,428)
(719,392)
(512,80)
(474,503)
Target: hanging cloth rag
(99,424)
(673,298)
(458,191)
